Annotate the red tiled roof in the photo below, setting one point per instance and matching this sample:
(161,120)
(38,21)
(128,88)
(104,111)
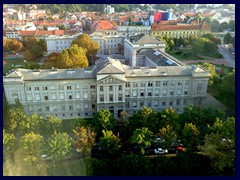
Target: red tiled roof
(102,25)
(45,32)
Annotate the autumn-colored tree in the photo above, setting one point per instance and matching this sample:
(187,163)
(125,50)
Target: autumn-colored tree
(53,123)
(8,141)
(73,57)
(15,45)
(84,138)
(28,56)
(87,43)
(51,61)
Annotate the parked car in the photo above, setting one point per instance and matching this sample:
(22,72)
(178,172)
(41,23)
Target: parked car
(176,147)
(160,151)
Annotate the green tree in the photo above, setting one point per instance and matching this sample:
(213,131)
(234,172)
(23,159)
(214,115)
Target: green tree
(103,120)
(59,146)
(84,41)
(171,44)
(232,25)
(28,56)
(142,137)
(168,134)
(43,44)
(53,123)
(110,142)
(32,123)
(190,135)
(9,141)
(84,139)
(227,38)
(32,147)
(215,26)
(223,26)
(62,27)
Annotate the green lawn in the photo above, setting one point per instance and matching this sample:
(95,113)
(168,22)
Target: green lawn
(187,54)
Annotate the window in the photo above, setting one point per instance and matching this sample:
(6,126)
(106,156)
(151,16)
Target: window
(110,97)
(47,108)
(179,92)
(61,96)
(29,89)
(156,92)
(78,106)
(86,106)
(52,87)
(39,109)
(178,102)
(55,108)
(134,93)
(101,98)
(85,95)
(127,94)
(69,87)
(165,83)
(163,103)
(54,96)
(46,98)
(172,83)
(157,83)
(110,88)
(142,94)
(70,107)
(120,88)
(93,96)
(69,96)
(143,84)
(149,93)
(45,88)
(127,104)
(164,92)
(62,107)
(37,97)
(101,88)
(36,88)
(134,84)
(185,102)
(171,93)
(92,86)
(61,87)
(149,84)
(120,97)
(185,92)
(149,103)
(170,102)
(77,86)
(156,103)
(77,95)
(127,84)
(134,104)
(141,103)
(179,83)
(93,106)
(187,83)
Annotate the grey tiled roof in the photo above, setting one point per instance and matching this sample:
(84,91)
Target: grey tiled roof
(145,39)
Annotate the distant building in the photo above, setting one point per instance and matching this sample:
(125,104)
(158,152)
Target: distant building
(109,10)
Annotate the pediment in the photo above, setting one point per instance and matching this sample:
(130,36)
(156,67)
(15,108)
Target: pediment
(111,79)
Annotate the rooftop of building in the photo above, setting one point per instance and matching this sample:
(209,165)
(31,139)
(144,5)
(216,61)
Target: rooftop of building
(144,39)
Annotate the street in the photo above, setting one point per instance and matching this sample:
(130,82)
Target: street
(227,55)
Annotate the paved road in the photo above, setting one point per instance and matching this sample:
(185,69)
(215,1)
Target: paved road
(227,55)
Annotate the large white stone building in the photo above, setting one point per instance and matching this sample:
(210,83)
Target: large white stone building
(161,82)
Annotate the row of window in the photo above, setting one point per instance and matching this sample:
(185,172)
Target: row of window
(157,103)
(110,88)
(157,83)
(60,87)
(176,32)
(157,93)
(120,98)
(63,42)
(62,107)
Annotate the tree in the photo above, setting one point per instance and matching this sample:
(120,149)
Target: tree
(211,68)
(14,45)
(84,139)
(168,134)
(215,26)
(171,44)
(232,25)
(62,27)
(84,41)
(59,146)
(190,135)
(9,140)
(103,120)
(53,123)
(73,57)
(28,56)
(227,38)
(51,61)
(145,117)
(32,147)
(32,123)
(110,142)
(43,44)
(142,137)
(220,146)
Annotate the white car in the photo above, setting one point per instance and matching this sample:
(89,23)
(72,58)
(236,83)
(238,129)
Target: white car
(160,151)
